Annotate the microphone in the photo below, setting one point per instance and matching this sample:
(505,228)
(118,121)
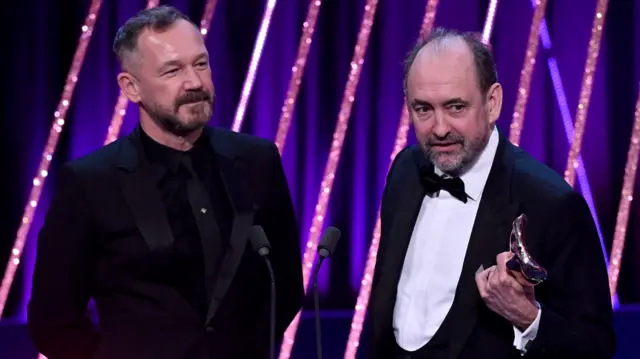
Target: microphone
(261,245)
(325,249)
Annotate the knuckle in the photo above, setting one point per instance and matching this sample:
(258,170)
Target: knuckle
(504,279)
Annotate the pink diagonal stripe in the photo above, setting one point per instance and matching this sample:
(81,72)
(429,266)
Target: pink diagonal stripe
(626,197)
(332,162)
(253,65)
(585,91)
(49,150)
(308,27)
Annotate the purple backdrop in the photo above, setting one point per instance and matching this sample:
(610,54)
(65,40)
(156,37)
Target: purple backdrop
(43,50)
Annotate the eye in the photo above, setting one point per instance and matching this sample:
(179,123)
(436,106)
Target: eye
(457,107)
(202,65)
(421,109)
(171,71)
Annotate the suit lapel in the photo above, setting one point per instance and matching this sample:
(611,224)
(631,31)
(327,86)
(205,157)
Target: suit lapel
(490,236)
(407,208)
(234,181)
(143,199)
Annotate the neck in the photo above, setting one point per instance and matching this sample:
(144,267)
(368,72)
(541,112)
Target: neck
(166,138)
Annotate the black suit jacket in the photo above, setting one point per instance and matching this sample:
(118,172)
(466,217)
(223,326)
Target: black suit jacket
(106,235)
(576,319)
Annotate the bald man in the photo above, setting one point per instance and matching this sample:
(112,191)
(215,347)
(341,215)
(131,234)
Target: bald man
(441,287)
(154,226)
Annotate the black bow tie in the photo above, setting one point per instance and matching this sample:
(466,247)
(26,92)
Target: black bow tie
(433,183)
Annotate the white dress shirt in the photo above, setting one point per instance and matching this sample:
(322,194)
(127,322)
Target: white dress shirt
(434,259)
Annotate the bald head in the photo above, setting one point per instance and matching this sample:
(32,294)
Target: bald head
(445,42)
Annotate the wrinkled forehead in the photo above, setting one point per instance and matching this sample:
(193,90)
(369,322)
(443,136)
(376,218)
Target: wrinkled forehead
(443,69)
(182,42)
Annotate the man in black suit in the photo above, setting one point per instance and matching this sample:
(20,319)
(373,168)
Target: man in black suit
(441,288)
(154,226)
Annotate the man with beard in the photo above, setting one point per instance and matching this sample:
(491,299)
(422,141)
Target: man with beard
(441,287)
(154,227)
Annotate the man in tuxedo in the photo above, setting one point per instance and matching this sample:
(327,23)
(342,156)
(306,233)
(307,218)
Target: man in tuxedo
(441,288)
(154,227)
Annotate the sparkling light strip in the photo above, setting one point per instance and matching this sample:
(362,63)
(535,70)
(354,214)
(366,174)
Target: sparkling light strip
(121,105)
(205,23)
(567,122)
(47,154)
(525,75)
(585,92)
(308,27)
(625,203)
(489,21)
(400,142)
(332,162)
(253,66)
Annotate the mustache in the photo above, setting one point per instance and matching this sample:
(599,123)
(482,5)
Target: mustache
(449,139)
(193,97)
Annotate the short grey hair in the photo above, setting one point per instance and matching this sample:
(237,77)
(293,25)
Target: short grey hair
(158,19)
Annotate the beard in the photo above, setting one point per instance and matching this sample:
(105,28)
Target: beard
(197,114)
(456,162)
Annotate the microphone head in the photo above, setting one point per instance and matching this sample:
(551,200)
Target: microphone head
(329,242)
(259,240)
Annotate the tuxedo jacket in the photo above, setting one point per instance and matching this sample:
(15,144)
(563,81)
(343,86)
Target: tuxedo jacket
(105,237)
(576,317)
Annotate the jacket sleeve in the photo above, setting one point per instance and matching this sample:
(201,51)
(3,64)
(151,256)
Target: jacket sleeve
(576,316)
(57,311)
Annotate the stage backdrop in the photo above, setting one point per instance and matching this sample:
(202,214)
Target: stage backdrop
(41,36)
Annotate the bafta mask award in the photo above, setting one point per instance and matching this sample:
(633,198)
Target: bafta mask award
(521,260)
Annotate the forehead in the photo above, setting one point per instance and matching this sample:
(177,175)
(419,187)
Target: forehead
(442,71)
(180,41)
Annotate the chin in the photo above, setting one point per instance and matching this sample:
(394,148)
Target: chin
(448,164)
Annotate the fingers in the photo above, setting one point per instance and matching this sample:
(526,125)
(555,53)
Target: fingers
(507,277)
(501,261)
(481,282)
(485,281)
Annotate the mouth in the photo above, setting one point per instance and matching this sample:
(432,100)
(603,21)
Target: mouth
(195,103)
(445,147)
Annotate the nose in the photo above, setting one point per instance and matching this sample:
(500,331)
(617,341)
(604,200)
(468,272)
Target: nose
(192,79)
(441,127)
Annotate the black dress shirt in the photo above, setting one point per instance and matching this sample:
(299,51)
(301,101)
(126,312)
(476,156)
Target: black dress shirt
(186,266)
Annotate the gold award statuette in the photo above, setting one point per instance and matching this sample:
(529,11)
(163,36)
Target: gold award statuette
(521,261)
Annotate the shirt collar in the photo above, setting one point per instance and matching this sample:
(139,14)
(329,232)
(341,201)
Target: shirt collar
(476,177)
(168,157)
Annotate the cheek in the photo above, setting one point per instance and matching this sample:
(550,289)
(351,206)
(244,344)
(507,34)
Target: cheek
(470,127)
(163,93)
(423,129)
(207,83)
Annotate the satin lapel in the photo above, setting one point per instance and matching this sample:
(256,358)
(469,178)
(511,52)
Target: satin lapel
(407,207)
(234,180)
(489,237)
(137,180)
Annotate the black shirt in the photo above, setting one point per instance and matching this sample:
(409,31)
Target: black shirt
(186,266)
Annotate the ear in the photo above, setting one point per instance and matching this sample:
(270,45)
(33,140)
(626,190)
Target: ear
(494,102)
(129,86)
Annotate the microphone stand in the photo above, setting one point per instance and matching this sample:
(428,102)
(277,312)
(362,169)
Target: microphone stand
(272,320)
(316,301)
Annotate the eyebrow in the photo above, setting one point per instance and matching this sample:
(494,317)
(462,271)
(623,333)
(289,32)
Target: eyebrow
(453,101)
(179,63)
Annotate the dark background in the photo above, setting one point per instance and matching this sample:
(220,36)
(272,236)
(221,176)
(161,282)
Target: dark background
(41,37)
